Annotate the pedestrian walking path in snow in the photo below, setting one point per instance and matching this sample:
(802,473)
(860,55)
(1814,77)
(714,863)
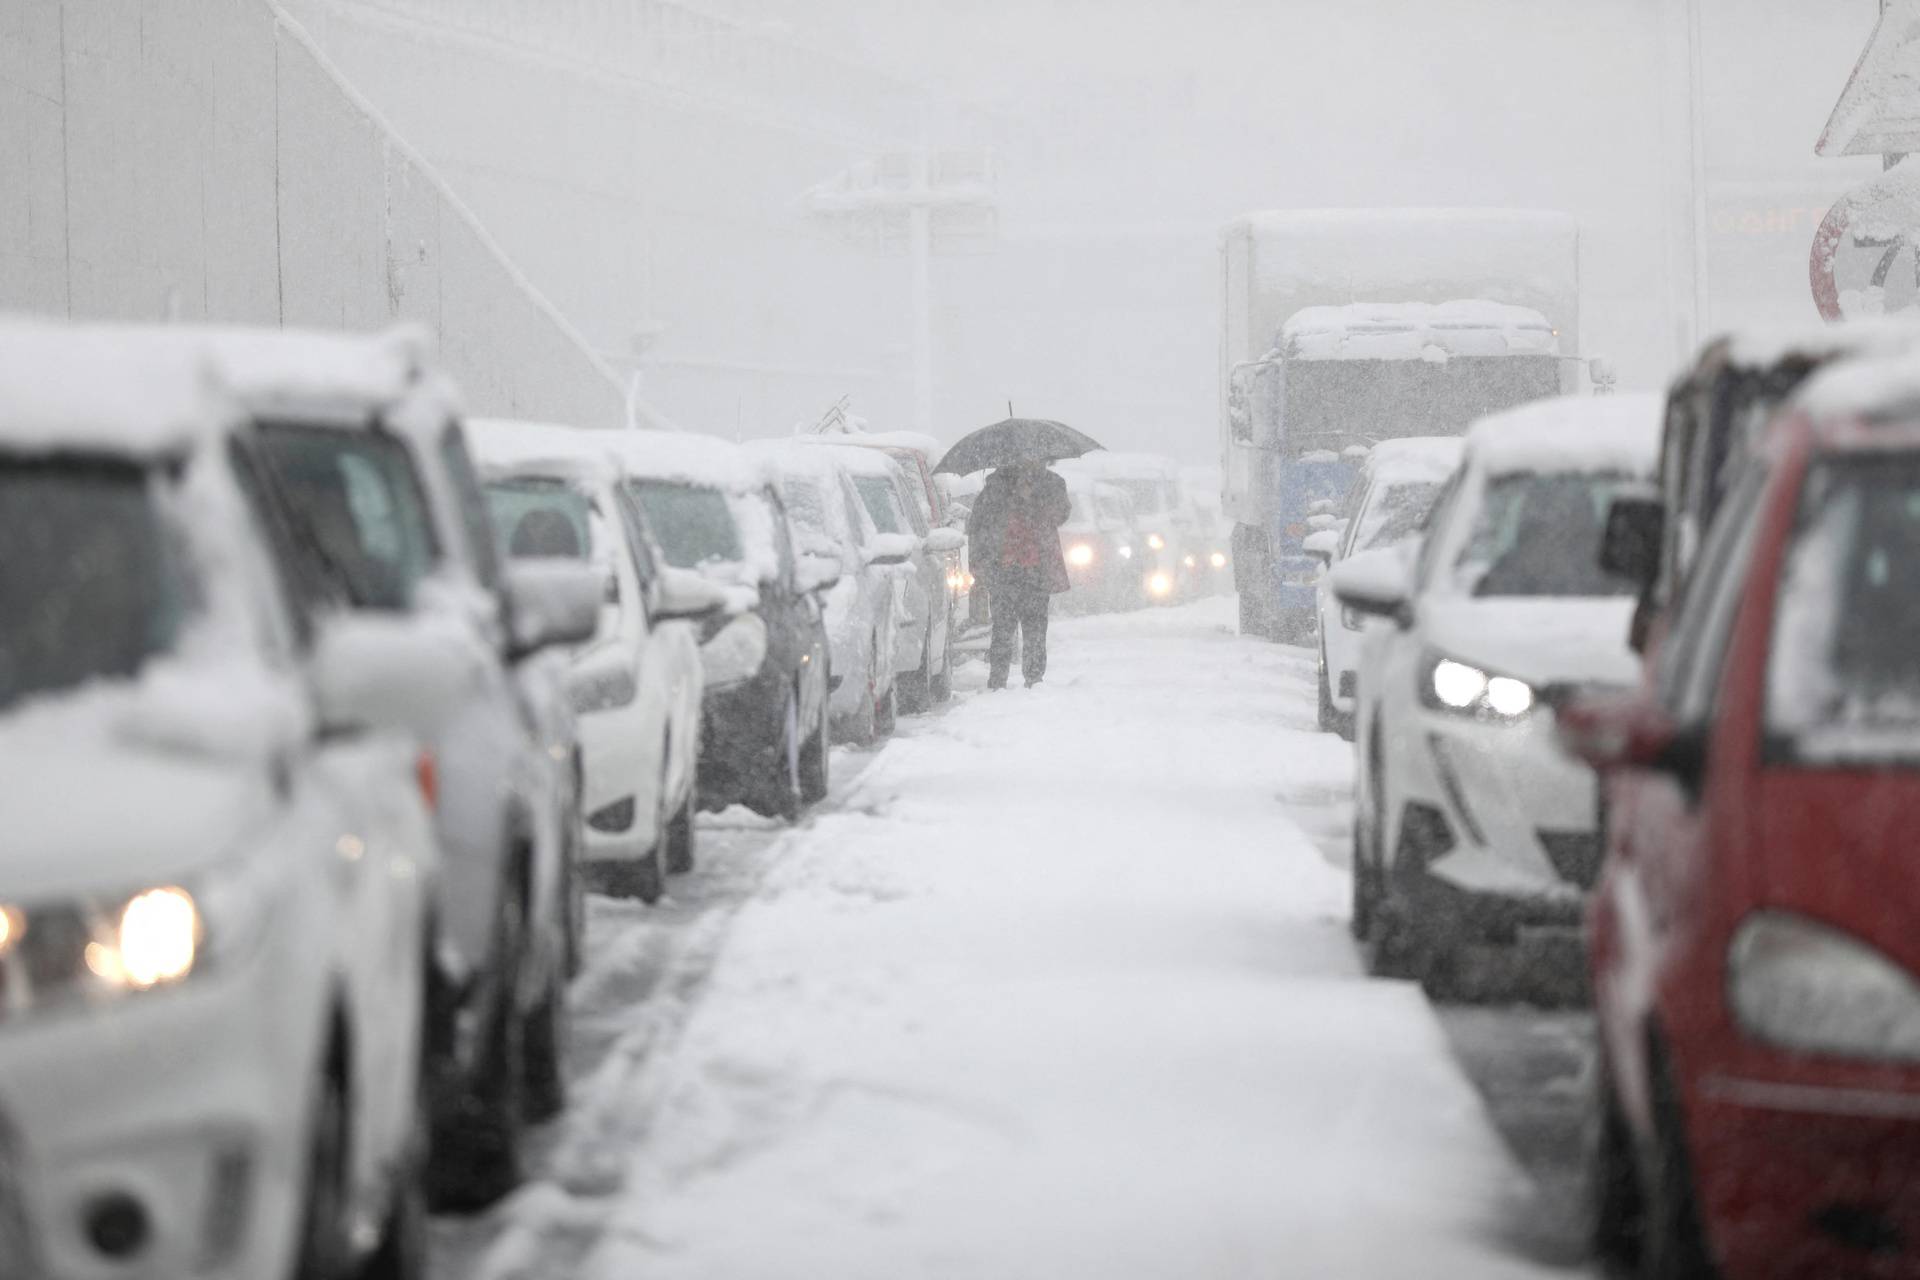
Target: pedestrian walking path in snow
(1062,990)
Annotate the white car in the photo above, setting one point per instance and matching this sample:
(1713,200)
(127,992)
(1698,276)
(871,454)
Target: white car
(1395,491)
(1167,536)
(558,492)
(923,646)
(1471,826)
(864,608)
(217,891)
(366,454)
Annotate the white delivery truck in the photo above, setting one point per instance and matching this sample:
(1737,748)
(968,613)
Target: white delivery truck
(1342,328)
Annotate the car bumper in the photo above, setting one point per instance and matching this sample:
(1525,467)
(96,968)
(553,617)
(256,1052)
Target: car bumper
(190,1104)
(1798,1180)
(1517,818)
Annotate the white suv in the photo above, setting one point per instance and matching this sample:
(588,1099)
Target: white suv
(217,886)
(1471,827)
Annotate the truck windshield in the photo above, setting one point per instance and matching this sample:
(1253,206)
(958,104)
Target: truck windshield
(1843,676)
(91,585)
(1331,404)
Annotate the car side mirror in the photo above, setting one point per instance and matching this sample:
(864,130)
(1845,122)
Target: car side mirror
(1615,732)
(553,603)
(684,594)
(891,548)
(1377,584)
(942,541)
(410,672)
(1630,548)
(1322,546)
(814,573)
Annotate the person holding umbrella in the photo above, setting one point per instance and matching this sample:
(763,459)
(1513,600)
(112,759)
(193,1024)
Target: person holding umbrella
(1014,531)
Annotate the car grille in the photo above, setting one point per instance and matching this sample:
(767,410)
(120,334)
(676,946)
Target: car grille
(1574,854)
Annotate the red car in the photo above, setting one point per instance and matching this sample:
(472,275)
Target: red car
(1755,937)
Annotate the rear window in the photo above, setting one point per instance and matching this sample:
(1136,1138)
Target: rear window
(541,517)
(1843,675)
(356,504)
(92,585)
(693,526)
(1539,536)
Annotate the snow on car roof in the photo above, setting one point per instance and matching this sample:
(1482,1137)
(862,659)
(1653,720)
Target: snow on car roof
(1863,388)
(98,389)
(1617,434)
(500,443)
(687,457)
(1417,331)
(859,461)
(924,445)
(1418,458)
(1878,335)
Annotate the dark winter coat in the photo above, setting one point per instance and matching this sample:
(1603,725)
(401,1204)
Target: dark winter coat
(1043,502)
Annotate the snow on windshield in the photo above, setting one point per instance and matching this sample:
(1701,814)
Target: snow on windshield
(693,525)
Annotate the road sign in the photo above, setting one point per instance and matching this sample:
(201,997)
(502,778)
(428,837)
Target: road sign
(1866,255)
(1879,111)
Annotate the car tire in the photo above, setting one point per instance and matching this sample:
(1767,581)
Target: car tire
(545,1038)
(1674,1244)
(942,687)
(1615,1201)
(1329,716)
(404,1246)
(864,730)
(574,890)
(478,1149)
(323,1228)
(816,763)
(780,796)
(679,837)
(1366,891)
(1391,952)
(913,691)
(886,714)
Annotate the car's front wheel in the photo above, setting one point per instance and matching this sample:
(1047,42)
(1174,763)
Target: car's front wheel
(403,1249)
(885,715)
(780,796)
(1674,1244)
(816,762)
(943,679)
(914,690)
(323,1238)
(478,1143)
(1618,1222)
(678,838)
(1329,716)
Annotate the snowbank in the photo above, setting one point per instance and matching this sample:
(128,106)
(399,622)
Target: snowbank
(1590,434)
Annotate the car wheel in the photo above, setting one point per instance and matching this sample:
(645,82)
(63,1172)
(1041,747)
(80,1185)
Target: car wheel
(781,797)
(865,729)
(1329,717)
(886,714)
(1391,954)
(477,1149)
(816,763)
(575,892)
(679,835)
(914,691)
(943,681)
(1365,891)
(1618,1210)
(323,1236)
(545,1038)
(1674,1245)
(403,1250)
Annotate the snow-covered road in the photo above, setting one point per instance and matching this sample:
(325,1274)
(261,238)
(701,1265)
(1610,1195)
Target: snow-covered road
(1060,986)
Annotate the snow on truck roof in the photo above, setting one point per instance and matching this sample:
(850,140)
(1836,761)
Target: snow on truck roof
(1591,434)
(1416,331)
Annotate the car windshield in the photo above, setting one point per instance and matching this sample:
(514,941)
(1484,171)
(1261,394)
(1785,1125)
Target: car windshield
(91,585)
(693,524)
(1149,496)
(1539,535)
(1396,514)
(882,503)
(541,517)
(1843,674)
(356,502)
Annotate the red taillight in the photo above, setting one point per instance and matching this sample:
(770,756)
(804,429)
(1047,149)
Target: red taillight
(1297,531)
(427,773)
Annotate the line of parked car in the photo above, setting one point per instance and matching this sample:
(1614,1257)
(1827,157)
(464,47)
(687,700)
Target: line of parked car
(1642,676)
(320,710)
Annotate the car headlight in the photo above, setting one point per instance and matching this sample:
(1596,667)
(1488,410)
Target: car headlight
(1803,985)
(1126,553)
(101,947)
(1191,562)
(1218,559)
(1080,555)
(1464,689)
(1159,584)
(602,689)
(1156,543)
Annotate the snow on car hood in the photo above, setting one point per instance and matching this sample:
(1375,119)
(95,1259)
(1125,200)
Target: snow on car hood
(1552,640)
(117,787)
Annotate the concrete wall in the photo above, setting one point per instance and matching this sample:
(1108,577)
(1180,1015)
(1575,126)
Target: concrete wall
(197,159)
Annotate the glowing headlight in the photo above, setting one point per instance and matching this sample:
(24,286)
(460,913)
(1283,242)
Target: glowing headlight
(1458,686)
(1156,543)
(1080,555)
(1126,553)
(1803,985)
(1218,559)
(159,936)
(1191,562)
(1159,584)
(13,924)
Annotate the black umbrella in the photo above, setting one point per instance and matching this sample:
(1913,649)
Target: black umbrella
(1015,440)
